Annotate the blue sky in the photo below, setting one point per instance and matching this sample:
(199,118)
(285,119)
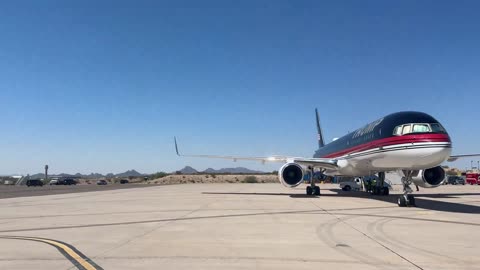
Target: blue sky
(103,86)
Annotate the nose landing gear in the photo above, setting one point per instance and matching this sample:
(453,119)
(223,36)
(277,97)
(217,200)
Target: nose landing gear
(407,199)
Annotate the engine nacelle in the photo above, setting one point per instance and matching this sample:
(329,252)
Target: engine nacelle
(291,175)
(430,178)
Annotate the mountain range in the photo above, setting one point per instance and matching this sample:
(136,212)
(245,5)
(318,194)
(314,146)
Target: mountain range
(190,170)
(129,173)
(134,173)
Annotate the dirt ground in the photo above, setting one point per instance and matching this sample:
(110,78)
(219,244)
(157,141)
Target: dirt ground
(208,178)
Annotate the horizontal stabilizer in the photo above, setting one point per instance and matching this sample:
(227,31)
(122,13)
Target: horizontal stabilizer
(453,158)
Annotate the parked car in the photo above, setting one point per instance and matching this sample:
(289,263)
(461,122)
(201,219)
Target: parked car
(34,183)
(53,182)
(67,181)
(101,182)
(455,180)
(124,181)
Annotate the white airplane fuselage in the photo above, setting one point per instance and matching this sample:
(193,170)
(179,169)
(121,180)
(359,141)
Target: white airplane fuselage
(381,146)
(403,158)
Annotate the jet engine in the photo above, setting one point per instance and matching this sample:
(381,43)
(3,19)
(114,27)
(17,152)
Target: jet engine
(291,175)
(429,178)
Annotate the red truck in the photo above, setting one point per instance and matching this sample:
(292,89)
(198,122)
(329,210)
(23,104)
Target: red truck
(473,178)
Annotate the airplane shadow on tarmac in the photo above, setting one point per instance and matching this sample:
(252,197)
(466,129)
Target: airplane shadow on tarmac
(421,203)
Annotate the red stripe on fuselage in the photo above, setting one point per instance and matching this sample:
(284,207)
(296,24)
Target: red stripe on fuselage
(413,138)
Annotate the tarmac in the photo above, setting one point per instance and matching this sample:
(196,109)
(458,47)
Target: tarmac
(240,226)
(7,191)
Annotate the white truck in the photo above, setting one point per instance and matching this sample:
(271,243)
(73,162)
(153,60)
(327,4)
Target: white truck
(356,185)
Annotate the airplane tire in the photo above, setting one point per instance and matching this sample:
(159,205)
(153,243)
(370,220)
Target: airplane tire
(347,188)
(402,201)
(317,191)
(309,190)
(411,200)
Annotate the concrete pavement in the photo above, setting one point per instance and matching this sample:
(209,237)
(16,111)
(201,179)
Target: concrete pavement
(241,226)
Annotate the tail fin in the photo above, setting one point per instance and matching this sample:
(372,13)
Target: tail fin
(321,143)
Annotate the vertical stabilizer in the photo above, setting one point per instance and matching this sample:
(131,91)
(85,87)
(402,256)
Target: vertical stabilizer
(321,143)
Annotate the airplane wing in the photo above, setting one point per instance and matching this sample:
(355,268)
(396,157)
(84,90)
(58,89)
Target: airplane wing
(453,158)
(325,163)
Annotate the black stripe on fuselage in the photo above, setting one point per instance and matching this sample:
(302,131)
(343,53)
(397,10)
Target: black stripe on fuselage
(379,129)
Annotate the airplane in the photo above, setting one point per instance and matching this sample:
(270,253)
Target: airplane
(412,142)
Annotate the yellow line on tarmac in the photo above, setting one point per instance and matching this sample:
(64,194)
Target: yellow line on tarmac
(72,253)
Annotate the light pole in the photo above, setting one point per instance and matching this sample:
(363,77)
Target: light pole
(471,164)
(46,173)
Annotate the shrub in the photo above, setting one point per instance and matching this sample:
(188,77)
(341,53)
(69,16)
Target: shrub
(158,175)
(250,179)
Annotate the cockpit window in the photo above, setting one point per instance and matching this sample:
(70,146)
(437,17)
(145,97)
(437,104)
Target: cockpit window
(437,128)
(406,129)
(421,128)
(418,128)
(397,130)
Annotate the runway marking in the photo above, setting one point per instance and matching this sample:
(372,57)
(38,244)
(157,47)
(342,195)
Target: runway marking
(77,258)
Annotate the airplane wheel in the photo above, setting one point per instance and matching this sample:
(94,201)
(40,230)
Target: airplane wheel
(317,191)
(309,190)
(402,201)
(347,188)
(411,200)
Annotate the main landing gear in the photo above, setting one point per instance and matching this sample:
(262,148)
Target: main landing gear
(379,188)
(312,189)
(407,199)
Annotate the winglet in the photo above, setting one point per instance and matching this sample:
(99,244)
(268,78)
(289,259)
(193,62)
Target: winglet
(321,142)
(176,146)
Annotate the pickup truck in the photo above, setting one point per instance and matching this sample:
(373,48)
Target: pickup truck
(356,184)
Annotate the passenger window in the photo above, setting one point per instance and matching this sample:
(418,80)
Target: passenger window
(406,129)
(421,128)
